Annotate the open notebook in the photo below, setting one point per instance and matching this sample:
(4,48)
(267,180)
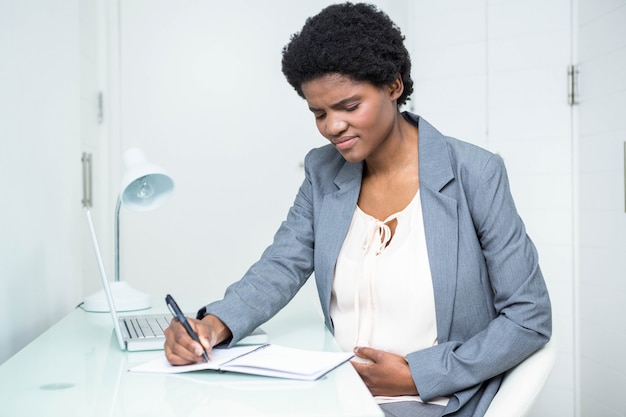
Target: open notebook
(267,360)
(143,332)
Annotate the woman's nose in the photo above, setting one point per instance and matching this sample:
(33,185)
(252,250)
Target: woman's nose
(335,125)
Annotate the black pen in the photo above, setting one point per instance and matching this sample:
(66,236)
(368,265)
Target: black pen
(178,314)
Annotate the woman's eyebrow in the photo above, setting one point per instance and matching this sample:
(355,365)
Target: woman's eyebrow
(338,105)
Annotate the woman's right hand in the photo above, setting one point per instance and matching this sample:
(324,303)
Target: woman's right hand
(181,349)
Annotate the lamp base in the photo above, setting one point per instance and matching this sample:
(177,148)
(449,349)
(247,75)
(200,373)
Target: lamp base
(125,297)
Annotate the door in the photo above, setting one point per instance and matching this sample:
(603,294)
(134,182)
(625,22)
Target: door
(602,206)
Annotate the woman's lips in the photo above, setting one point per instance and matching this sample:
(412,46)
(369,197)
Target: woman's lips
(344,143)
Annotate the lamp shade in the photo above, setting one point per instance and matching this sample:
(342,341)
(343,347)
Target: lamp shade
(144,186)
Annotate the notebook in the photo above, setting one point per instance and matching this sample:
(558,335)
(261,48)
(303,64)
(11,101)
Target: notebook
(267,360)
(145,331)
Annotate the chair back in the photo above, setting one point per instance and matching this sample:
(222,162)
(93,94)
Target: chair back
(522,384)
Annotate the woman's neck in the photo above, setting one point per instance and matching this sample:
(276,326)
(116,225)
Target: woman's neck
(398,153)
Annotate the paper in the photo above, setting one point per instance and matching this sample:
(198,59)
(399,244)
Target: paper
(268,360)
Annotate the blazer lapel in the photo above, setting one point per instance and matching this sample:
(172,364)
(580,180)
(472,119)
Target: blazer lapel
(440,222)
(335,215)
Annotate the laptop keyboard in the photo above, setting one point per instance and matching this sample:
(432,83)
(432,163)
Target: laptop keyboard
(142,327)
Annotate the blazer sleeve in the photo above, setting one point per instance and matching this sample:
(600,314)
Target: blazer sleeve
(515,293)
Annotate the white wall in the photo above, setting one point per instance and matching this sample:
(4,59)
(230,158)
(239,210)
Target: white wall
(39,168)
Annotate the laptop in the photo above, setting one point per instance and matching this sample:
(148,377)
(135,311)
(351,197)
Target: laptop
(145,331)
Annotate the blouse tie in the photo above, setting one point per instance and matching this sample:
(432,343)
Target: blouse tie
(378,236)
(375,241)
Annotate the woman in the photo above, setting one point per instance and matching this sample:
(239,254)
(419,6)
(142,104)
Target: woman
(422,264)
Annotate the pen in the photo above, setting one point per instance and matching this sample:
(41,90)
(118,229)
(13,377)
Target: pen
(178,314)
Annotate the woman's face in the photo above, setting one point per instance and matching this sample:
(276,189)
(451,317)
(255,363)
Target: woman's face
(355,116)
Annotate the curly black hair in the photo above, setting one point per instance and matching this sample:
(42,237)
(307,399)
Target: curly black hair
(356,40)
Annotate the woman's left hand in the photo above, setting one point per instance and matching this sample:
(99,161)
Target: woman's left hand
(387,374)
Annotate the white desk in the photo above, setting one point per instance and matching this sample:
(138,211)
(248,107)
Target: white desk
(76,369)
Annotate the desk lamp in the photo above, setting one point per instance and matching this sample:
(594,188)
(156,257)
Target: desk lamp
(144,187)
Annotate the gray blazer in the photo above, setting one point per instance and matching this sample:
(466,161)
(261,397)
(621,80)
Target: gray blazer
(492,305)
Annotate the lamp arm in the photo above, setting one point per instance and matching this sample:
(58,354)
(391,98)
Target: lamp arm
(117,238)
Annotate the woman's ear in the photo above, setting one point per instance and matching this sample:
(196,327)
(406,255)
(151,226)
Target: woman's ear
(396,88)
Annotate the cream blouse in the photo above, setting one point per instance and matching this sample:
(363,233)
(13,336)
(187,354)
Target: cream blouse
(382,294)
